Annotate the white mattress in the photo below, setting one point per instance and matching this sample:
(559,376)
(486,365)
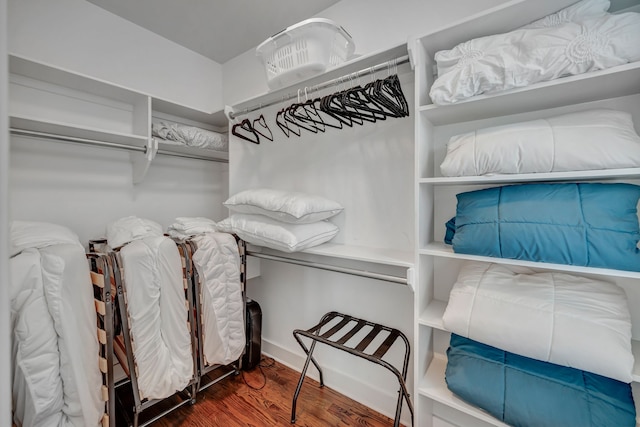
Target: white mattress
(218,264)
(56,379)
(157,316)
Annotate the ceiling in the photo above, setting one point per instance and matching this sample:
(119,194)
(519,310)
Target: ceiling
(217,29)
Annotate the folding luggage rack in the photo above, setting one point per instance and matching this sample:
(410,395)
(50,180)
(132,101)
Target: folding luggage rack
(341,330)
(114,334)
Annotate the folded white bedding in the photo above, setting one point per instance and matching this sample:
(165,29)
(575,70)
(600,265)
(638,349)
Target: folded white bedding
(33,234)
(554,317)
(158,314)
(530,55)
(586,140)
(55,350)
(69,295)
(218,264)
(190,136)
(56,377)
(38,398)
(185,227)
(130,228)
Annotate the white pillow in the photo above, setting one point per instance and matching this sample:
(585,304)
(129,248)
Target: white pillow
(32,234)
(264,231)
(576,12)
(526,56)
(587,140)
(554,317)
(287,206)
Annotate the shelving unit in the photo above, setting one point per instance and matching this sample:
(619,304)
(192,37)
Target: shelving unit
(436,265)
(51,103)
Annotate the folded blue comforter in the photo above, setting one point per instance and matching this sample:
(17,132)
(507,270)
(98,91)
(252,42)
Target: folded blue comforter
(586,224)
(526,392)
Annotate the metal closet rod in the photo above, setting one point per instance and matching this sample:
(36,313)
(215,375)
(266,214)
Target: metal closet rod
(352,271)
(107,144)
(334,82)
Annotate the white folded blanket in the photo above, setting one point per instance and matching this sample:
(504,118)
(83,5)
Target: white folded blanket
(218,264)
(586,140)
(130,228)
(554,317)
(185,227)
(56,378)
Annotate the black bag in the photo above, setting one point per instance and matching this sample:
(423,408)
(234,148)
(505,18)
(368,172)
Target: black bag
(252,351)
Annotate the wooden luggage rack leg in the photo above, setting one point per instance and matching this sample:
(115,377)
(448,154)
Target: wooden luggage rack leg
(343,321)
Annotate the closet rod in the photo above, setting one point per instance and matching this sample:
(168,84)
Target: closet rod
(339,80)
(352,271)
(98,143)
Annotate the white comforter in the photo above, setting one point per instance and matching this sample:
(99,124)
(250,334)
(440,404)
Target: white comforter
(158,316)
(56,379)
(568,320)
(218,264)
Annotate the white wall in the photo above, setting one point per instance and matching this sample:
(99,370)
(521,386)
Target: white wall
(374,25)
(84,187)
(79,36)
(5,346)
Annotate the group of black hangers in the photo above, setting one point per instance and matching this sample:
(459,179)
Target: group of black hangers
(375,101)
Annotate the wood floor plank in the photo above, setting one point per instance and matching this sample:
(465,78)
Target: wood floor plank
(238,401)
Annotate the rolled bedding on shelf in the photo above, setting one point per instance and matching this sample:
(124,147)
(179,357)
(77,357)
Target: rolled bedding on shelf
(190,136)
(158,313)
(584,224)
(56,376)
(560,318)
(526,392)
(217,261)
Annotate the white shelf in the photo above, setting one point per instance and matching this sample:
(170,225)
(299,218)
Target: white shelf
(74,131)
(194,152)
(606,174)
(434,387)
(364,254)
(443,250)
(611,83)
(432,315)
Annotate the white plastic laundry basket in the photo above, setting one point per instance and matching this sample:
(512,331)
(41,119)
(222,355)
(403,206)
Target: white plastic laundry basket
(304,49)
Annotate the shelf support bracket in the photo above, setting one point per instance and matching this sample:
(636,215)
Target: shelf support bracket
(140,162)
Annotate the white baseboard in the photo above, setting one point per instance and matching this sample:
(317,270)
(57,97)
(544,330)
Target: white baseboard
(354,388)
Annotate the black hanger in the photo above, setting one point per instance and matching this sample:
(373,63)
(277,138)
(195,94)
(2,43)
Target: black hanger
(262,124)
(283,124)
(245,131)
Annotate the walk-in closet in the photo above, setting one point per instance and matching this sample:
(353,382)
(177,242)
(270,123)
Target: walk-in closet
(346,212)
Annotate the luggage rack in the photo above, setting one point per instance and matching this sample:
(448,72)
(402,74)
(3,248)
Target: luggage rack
(359,349)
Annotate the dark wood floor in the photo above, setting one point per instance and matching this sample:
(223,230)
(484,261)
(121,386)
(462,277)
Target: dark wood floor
(238,401)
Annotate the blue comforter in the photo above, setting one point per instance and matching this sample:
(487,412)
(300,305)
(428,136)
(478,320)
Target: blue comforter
(586,224)
(526,392)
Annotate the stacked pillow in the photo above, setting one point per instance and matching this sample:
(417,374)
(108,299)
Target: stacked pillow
(283,220)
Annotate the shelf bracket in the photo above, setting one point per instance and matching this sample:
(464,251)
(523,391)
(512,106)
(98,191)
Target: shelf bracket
(140,162)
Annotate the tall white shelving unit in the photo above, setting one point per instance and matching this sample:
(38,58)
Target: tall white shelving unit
(437,265)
